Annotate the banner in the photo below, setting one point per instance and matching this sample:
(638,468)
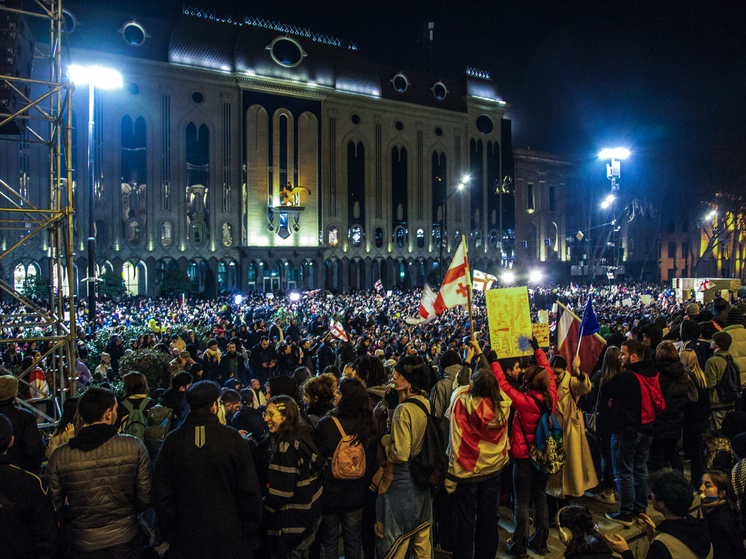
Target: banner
(509,321)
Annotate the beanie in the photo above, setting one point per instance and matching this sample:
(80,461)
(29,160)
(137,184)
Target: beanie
(723,340)
(692,309)
(203,394)
(735,316)
(414,370)
(450,358)
(8,387)
(690,330)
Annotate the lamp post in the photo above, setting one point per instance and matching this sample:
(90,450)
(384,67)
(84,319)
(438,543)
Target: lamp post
(613,172)
(103,78)
(444,228)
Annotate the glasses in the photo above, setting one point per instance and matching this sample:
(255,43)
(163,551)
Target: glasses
(270,414)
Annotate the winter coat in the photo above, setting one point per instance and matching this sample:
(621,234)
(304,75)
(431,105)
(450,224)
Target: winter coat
(634,398)
(440,396)
(527,414)
(714,370)
(28,449)
(294,489)
(340,494)
(725,531)
(31,529)
(109,480)
(250,420)
(206,466)
(737,347)
(684,538)
(579,473)
(674,383)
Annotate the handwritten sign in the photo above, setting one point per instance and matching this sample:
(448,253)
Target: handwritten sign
(645,299)
(543,316)
(541,333)
(510,321)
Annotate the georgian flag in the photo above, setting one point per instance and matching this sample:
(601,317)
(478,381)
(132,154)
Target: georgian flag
(482,281)
(337,331)
(453,292)
(707,284)
(379,285)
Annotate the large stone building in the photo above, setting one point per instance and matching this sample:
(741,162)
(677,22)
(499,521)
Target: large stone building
(216,117)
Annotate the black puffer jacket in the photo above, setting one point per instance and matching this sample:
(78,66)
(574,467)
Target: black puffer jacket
(674,384)
(28,450)
(106,487)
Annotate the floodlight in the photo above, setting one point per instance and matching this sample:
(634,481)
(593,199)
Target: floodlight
(102,78)
(294,296)
(508,277)
(238,299)
(535,276)
(614,153)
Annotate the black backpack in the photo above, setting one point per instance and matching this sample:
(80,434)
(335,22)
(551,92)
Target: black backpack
(729,388)
(430,465)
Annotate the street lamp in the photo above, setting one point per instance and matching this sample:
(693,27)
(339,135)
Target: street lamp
(443,230)
(103,78)
(613,172)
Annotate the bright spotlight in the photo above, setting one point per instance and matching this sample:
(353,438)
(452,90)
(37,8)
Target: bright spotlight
(238,299)
(614,153)
(508,277)
(535,276)
(711,215)
(294,296)
(605,204)
(466,179)
(460,186)
(102,78)
(610,198)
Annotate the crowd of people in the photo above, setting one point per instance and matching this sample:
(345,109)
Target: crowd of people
(275,434)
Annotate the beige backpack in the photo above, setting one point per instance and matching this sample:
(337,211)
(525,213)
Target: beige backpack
(348,461)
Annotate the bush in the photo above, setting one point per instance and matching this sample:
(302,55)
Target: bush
(111,285)
(153,363)
(103,338)
(742,293)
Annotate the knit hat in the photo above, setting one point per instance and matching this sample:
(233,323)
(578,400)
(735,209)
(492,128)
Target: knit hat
(202,394)
(690,330)
(735,316)
(414,369)
(723,340)
(8,387)
(6,431)
(738,444)
(450,358)
(693,309)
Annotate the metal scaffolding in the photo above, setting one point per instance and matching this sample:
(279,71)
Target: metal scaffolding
(47,116)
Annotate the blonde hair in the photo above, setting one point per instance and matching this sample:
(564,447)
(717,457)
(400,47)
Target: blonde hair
(691,364)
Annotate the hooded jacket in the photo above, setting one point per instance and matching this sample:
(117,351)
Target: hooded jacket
(100,475)
(674,385)
(634,397)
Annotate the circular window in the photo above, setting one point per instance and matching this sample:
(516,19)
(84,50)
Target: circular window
(133,89)
(71,22)
(197,97)
(400,82)
(438,131)
(286,51)
(484,124)
(399,125)
(133,33)
(355,119)
(439,90)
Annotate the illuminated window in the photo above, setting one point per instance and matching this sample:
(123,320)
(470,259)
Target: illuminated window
(356,235)
(133,33)
(401,237)
(333,237)
(167,234)
(226,234)
(420,238)
(133,233)
(197,234)
(530,198)
(286,51)
(379,237)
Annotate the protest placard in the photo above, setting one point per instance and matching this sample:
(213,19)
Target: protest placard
(509,321)
(541,333)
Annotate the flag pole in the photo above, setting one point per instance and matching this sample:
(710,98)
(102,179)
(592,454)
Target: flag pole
(469,289)
(580,332)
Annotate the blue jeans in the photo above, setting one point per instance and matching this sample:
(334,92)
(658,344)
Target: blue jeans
(630,460)
(530,485)
(480,533)
(328,534)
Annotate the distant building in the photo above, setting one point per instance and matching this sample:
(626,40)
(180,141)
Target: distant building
(258,156)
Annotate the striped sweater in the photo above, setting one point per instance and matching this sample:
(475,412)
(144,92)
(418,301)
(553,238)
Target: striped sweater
(294,490)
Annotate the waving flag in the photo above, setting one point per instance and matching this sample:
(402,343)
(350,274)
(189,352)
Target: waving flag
(453,292)
(707,284)
(589,345)
(482,281)
(338,331)
(379,285)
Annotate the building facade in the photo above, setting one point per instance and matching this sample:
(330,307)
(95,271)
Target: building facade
(258,156)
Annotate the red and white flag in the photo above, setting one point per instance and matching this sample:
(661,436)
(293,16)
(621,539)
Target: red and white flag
(707,284)
(453,292)
(568,327)
(337,331)
(482,281)
(379,285)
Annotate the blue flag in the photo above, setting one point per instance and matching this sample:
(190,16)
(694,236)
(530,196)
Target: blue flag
(589,324)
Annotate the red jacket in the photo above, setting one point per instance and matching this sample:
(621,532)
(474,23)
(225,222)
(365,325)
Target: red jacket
(527,412)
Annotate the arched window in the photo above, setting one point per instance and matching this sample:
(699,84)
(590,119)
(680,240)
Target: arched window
(226,236)
(133,168)
(400,237)
(333,237)
(420,238)
(379,237)
(167,232)
(356,235)
(198,180)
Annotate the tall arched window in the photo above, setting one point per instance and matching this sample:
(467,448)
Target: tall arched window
(198,180)
(133,166)
(355,181)
(399,177)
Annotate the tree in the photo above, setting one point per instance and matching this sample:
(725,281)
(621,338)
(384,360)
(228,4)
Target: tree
(175,281)
(111,285)
(35,287)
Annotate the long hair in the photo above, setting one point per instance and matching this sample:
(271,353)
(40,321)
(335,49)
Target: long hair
(584,536)
(721,480)
(355,404)
(691,364)
(611,366)
(134,383)
(370,370)
(69,415)
(484,385)
(537,380)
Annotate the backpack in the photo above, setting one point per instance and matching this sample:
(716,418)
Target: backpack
(348,461)
(729,388)
(548,451)
(136,423)
(159,425)
(430,465)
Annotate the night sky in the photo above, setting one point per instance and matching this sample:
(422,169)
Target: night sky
(667,79)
